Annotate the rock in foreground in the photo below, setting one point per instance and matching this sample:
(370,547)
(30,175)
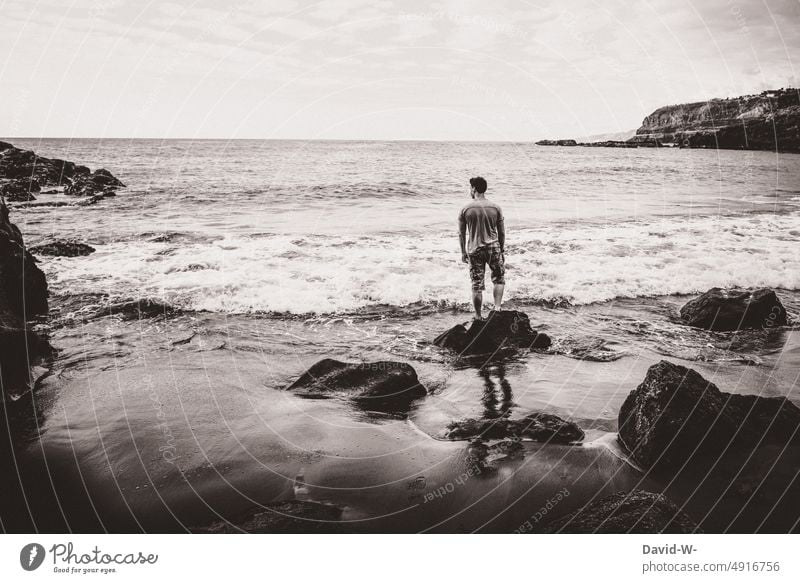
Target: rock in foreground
(375,385)
(23,295)
(63,249)
(675,416)
(502,329)
(637,512)
(727,310)
(536,426)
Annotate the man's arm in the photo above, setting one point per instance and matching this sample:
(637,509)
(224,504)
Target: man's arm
(462,237)
(501,230)
(501,235)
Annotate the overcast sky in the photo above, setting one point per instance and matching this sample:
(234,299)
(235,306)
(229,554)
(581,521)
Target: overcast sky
(379,69)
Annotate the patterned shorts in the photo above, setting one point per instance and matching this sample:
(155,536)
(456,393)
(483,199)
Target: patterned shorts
(492,255)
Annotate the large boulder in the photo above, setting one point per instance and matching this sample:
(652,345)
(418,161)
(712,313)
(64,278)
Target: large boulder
(62,249)
(374,385)
(637,512)
(502,329)
(542,427)
(726,310)
(23,295)
(100,182)
(675,417)
(23,287)
(20,190)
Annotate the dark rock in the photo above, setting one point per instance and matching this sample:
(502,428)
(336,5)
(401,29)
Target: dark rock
(502,329)
(136,309)
(556,143)
(63,249)
(23,294)
(536,426)
(637,512)
(675,417)
(19,190)
(23,287)
(373,384)
(725,310)
(100,182)
(294,516)
(24,164)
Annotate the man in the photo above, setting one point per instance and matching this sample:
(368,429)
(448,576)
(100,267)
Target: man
(487,240)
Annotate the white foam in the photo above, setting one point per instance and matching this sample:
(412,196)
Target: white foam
(583,264)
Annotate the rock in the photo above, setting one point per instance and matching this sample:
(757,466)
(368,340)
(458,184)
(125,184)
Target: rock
(100,182)
(23,287)
(638,512)
(63,249)
(725,310)
(676,417)
(20,164)
(502,329)
(136,309)
(373,384)
(542,427)
(19,190)
(556,143)
(23,295)
(294,516)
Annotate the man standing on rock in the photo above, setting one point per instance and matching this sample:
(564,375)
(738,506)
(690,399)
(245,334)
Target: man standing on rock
(487,238)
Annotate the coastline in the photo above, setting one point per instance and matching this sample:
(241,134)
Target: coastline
(157,419)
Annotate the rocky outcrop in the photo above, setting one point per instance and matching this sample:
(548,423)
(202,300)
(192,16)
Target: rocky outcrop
(675,418)
(20,190)
(382,385)
(726,310)
(556,143)
(100,182)
(63,249)
(768,121)
(542,427)
(637,512)
(25,167)
(23,295)
(502,329)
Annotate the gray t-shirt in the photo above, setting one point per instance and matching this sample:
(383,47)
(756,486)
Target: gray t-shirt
(481,217)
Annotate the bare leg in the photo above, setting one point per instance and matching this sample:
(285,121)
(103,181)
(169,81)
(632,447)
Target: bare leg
(477,302)
(498,295)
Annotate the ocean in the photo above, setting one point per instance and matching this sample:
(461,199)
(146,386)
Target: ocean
(276,254)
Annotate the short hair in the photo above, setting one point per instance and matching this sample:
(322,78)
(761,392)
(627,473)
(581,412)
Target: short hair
(479,183)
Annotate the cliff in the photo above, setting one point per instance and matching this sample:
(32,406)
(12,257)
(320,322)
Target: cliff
(767,121)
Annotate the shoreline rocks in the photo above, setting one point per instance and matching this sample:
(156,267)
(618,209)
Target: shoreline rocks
(27,173)
(502,329)
(378,385)
(62,249)
(675,418)
(728,310)
(636,512)
(542,427)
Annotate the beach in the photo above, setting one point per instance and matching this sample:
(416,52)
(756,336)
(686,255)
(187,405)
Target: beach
(268,256)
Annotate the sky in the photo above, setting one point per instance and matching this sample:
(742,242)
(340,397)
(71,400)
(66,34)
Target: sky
(379,69)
